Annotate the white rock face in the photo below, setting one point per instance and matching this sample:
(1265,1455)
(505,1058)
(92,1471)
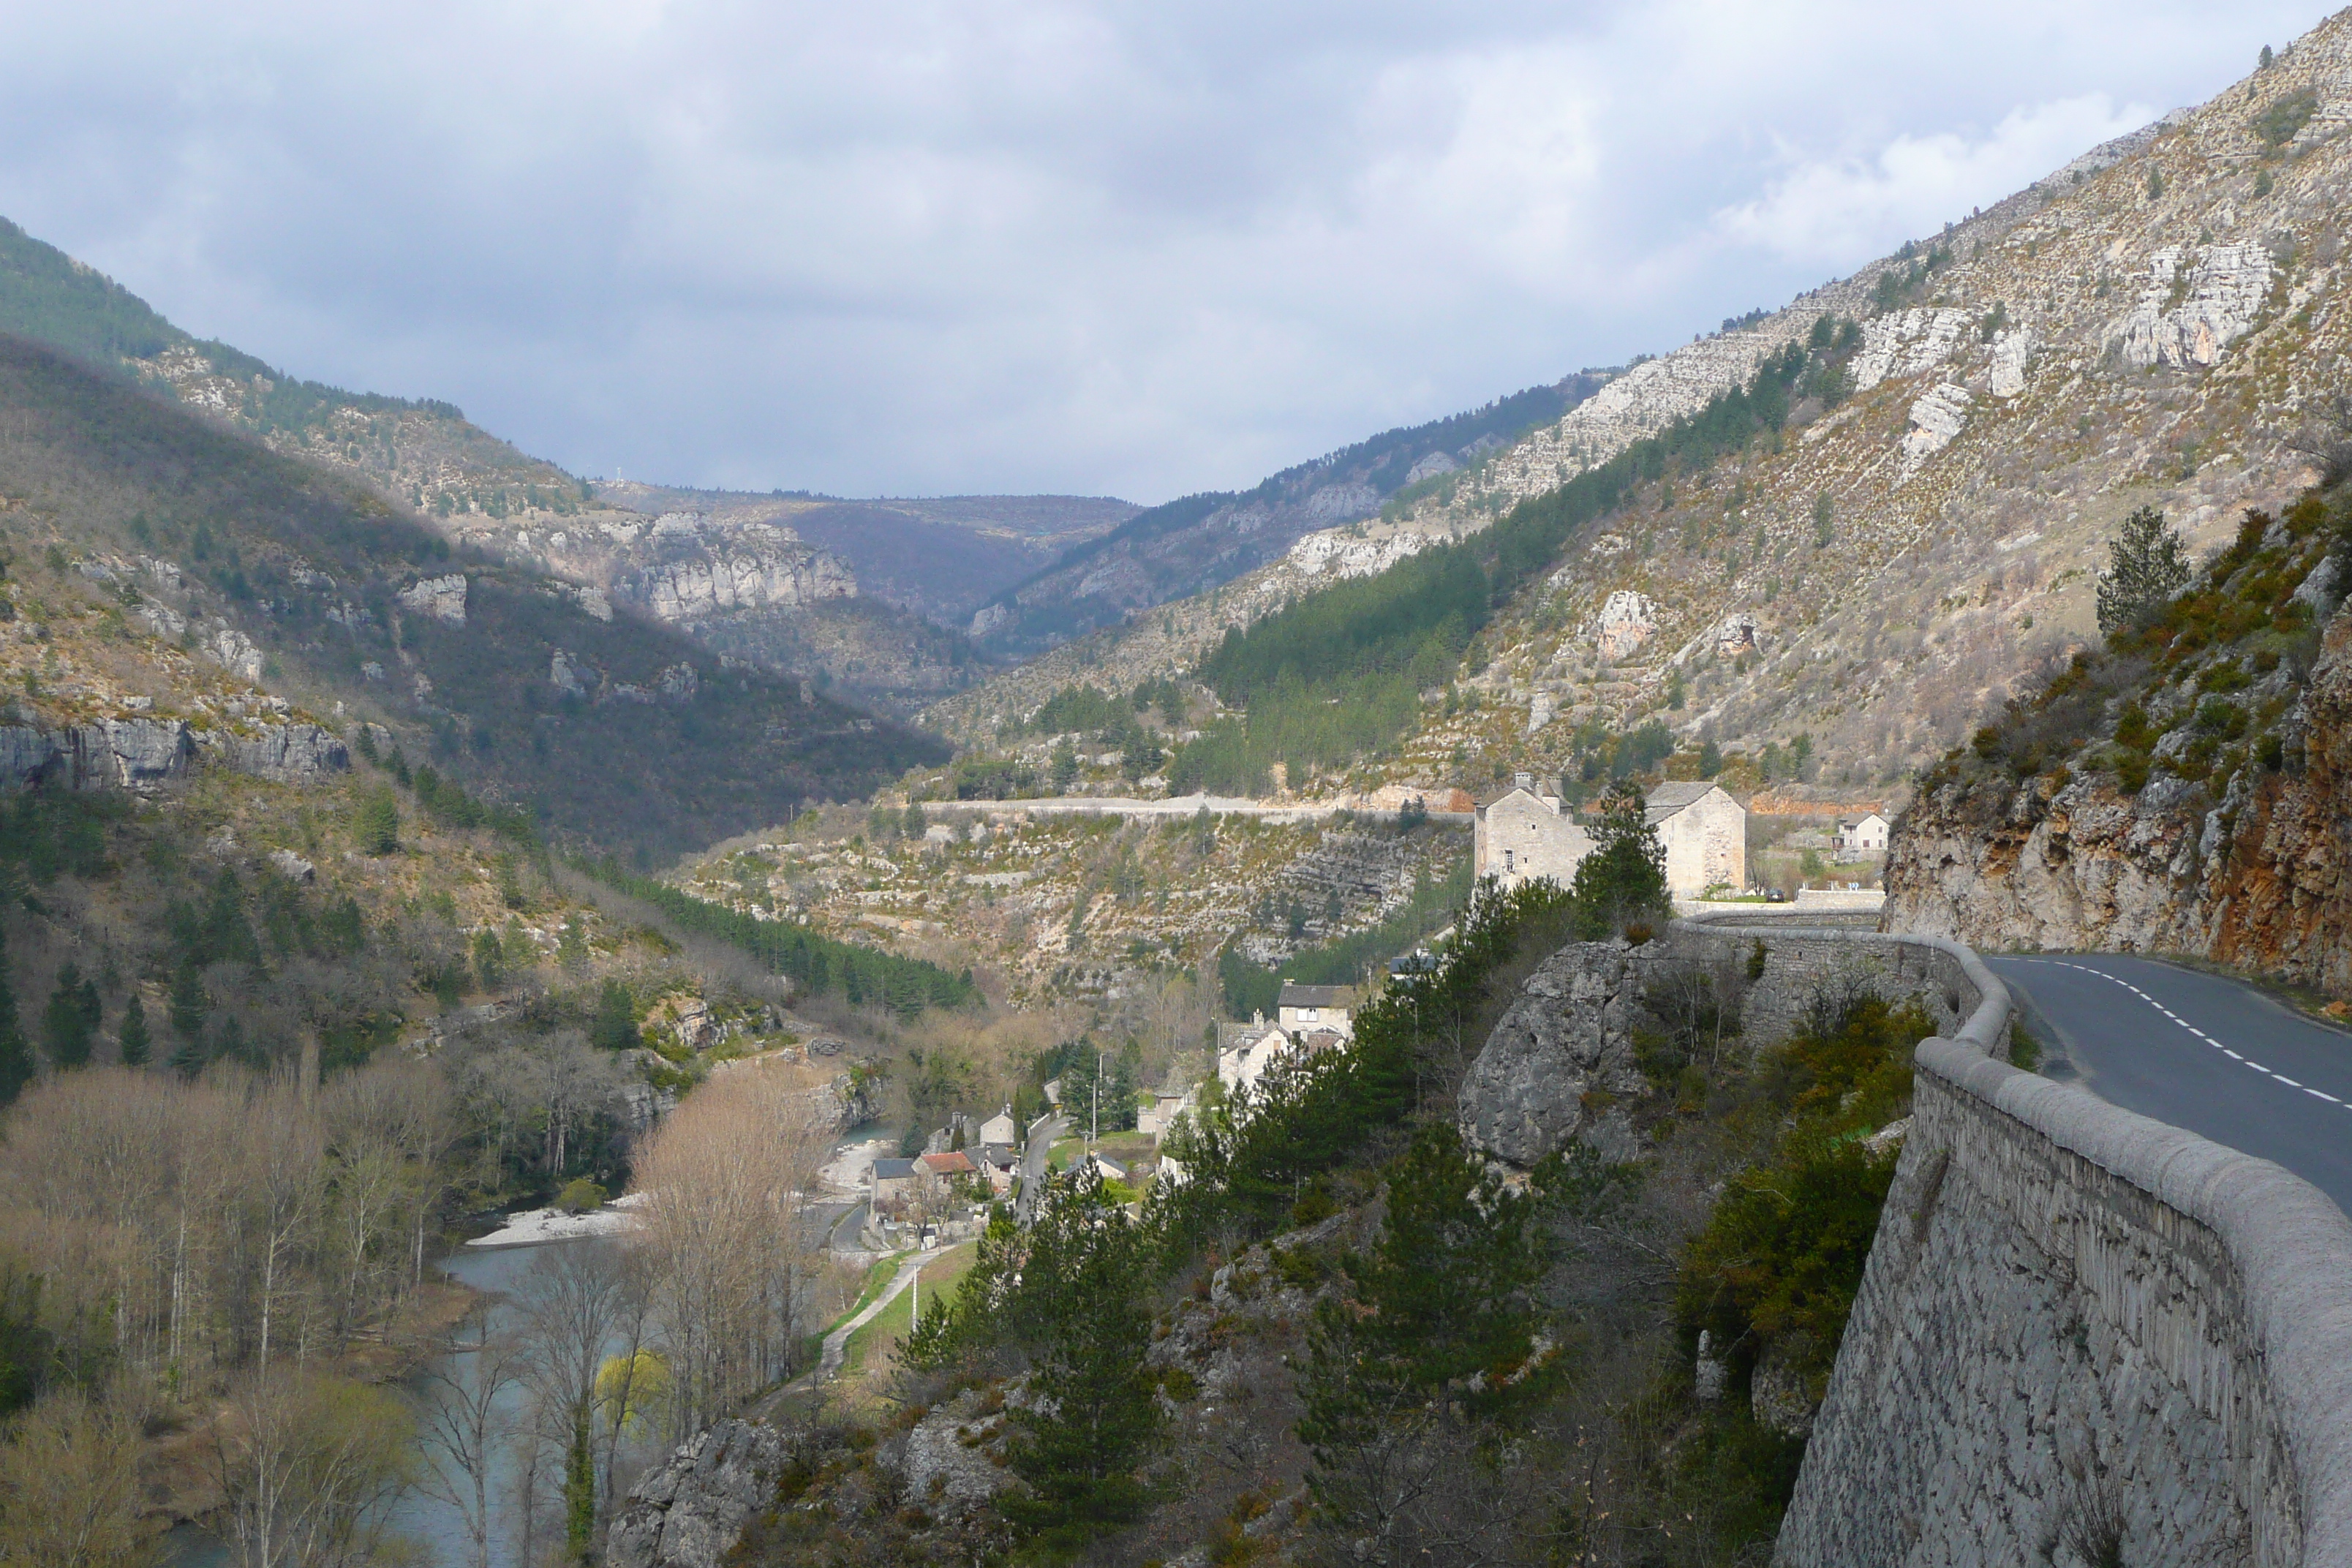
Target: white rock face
(1935,418)
(443,598)
(1641,402)
(1335,503)
(1736,635)
(1334,554)
(232,649)
(747,574)
(2011,350)
(1434,464)
(2190,310)
(564,675)
(1628,620)
(1905,343)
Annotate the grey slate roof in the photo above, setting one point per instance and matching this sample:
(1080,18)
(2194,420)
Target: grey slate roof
(1667,799)
(1297,996)
(893,1170)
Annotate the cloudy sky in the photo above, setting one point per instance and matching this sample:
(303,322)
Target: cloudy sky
(1141,248)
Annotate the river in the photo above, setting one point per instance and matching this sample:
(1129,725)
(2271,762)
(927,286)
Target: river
(433,1525)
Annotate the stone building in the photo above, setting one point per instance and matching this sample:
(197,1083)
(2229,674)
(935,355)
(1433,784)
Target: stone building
(1315,1009)
(1705,832)
(1526,832)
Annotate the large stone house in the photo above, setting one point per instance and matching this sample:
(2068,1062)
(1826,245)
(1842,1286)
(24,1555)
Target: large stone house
(1524,833)
(1705,832)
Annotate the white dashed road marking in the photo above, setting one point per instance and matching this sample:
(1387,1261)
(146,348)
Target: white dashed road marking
(2185,1024)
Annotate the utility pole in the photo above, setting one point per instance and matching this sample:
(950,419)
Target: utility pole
(1094,1126)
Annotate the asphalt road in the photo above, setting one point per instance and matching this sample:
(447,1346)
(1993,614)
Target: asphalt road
(1032,1163)
(2198,1051)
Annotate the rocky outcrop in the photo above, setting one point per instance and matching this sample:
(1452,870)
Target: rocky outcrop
(290,754)
(1562,1047)
(1562,1054)
(1628,621)
(954,1457)
(443,598)
(2260,876)
(690,1511)
(139,753)
(704,571)
(112,754)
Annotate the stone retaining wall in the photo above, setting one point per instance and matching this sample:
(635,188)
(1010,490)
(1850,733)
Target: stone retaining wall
(2082,1335)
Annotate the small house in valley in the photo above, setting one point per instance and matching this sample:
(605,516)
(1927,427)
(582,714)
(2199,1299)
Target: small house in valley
(1856,838)
(1315,1009)
(1704,834)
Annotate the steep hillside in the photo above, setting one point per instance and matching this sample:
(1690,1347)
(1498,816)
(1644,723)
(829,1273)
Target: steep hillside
(1910,524)
(174,573)
(695,560)
(1200,541)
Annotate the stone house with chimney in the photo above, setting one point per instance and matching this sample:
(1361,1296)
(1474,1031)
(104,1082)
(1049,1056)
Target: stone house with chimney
(1526,832)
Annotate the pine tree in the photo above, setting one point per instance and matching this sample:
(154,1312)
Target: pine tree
(1622,879)
(16,1053)
(132,1036)
(189,1058)
(1443,1304)
(572,947)
(2145,569)
(376,823)
(189,1004)
(1095,1419)
(489,960)
(67,1023)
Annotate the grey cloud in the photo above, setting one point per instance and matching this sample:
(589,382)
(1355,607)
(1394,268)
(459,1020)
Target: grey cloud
(1093,248)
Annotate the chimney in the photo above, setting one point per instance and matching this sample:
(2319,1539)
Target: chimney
(1258,1017)
(1524,781)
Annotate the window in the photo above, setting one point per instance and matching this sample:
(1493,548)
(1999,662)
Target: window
(1307,1014)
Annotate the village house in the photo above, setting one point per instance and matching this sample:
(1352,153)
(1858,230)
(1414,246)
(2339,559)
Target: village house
(998,1162)
(893,1184)
(1315,1009)
(939,1175)
(1856,838)
(1524,833)
(1245,1050)
(1001,1128)
(1704,833)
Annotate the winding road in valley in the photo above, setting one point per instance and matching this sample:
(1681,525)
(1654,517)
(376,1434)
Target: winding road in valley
(2197,1050)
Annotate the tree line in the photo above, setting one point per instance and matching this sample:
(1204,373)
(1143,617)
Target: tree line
(811,959)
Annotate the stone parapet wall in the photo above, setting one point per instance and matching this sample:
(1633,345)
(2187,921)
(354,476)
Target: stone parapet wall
(2082,1333)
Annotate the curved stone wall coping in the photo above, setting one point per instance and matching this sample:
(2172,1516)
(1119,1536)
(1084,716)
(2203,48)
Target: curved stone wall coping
(1988,1022)
(2291,1244)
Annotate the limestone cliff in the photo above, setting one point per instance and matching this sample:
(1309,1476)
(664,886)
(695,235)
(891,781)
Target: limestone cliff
(2233,846)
